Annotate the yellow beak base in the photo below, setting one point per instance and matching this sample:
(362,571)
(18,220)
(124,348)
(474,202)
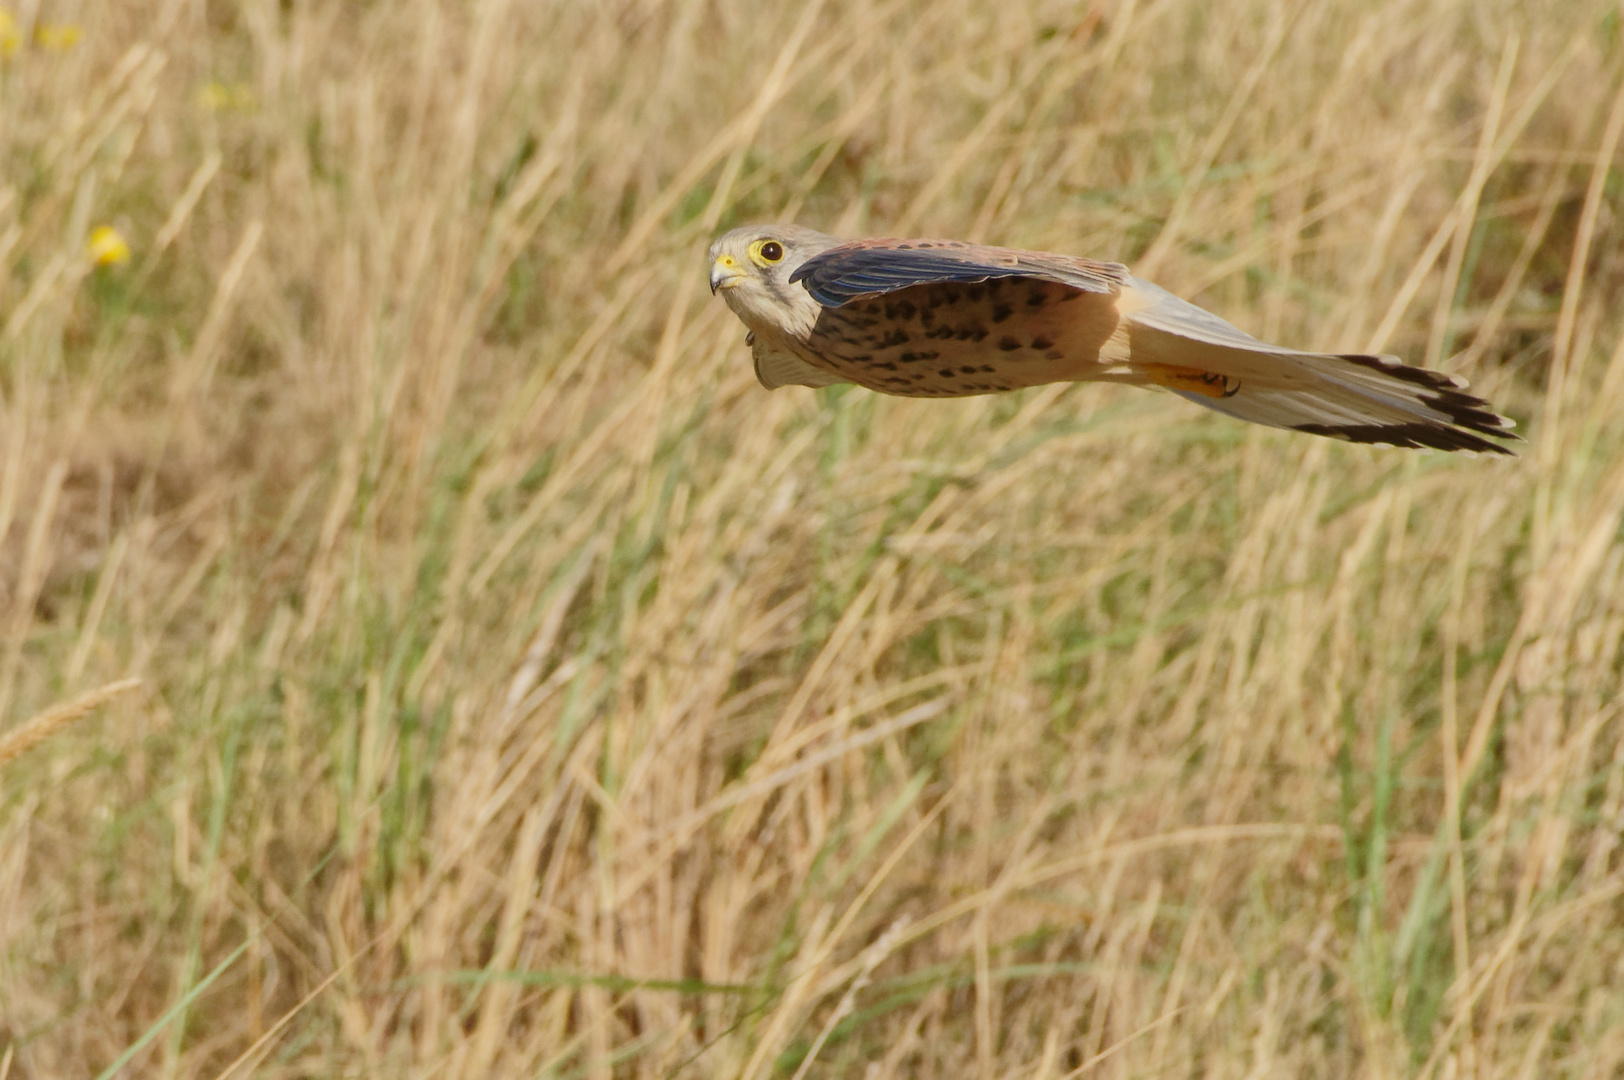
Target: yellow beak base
(725,273)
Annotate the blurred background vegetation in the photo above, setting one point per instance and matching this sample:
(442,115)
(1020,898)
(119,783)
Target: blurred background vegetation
(526,692)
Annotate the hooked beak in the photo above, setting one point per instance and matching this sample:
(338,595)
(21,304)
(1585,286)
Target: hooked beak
(725,273)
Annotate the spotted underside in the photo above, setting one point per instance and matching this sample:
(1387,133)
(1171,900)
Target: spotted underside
(955,339)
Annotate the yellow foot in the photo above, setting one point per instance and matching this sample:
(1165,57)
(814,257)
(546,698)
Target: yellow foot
(1193,380)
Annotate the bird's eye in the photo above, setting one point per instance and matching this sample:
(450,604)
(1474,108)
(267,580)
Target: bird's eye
(767,251)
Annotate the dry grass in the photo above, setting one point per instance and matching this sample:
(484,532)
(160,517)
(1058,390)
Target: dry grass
(25,736)
(528,693)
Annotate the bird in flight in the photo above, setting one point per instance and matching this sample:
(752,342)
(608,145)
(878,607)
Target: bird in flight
(941,318)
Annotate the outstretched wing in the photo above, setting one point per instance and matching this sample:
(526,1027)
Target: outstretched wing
(867,268)
(1358,398)
(939,318)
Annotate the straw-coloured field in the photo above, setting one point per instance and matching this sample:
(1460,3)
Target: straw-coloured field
(525,692)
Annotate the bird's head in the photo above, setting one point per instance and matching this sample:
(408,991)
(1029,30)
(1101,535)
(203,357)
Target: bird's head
(751,268)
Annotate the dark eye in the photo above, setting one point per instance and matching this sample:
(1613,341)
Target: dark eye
(772,251)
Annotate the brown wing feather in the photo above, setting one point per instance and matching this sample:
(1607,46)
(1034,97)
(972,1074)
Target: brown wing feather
(955,339)
(931,318)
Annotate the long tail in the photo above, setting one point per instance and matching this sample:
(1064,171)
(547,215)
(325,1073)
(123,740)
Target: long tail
(1367,399)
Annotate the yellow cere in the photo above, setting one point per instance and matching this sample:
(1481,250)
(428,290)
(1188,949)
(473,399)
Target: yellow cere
(57,37)
(107,247)
(11,39)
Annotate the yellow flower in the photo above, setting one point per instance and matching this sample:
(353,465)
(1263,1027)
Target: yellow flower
(220,97)
(11,39)
(57,37)
(107,247)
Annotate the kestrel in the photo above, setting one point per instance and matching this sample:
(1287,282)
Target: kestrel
(941,318)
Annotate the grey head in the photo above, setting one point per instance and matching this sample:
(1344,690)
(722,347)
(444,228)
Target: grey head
(751,268)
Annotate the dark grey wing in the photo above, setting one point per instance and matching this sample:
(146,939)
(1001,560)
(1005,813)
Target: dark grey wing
(875,267)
